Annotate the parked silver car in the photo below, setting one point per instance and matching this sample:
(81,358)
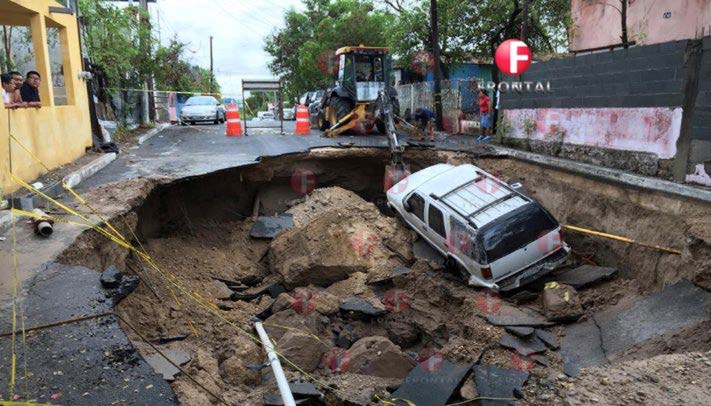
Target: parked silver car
(498,237)
(202,109)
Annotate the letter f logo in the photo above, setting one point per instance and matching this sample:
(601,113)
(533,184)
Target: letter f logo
(513,57)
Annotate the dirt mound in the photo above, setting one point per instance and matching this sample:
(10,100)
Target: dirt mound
(337,234)
(324,199)
(675,379)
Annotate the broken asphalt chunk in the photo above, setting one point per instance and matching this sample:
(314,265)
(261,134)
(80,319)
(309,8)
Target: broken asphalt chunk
(522,332)
(165,368)
(523,346)
(494,382)
(270,227)
(585,276)
(548,338)
(111,277)
(508,315)
(399,271)
(305,393)
(430,383)
(272,290)
(360,308)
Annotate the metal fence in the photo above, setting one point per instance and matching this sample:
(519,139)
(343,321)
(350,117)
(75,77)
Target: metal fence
(459,101)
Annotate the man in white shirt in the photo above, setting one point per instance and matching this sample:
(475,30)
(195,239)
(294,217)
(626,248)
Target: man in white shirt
(7,89)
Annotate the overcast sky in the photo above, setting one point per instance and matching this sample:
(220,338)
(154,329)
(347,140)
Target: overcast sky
(239,28)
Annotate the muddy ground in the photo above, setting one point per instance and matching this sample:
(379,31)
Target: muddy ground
(343,245)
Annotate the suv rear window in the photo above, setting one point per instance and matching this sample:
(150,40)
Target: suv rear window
(435,220)
(514,230)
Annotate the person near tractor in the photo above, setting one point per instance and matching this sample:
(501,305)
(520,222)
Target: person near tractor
(424,119)
(487,116)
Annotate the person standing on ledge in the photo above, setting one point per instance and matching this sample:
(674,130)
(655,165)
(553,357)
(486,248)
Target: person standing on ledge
(29,90)
(487,114)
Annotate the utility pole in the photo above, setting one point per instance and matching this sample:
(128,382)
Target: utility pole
(434,40)
(149,111)
(524,16)
(211,71)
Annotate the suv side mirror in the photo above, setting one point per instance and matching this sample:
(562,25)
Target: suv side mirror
(406,206)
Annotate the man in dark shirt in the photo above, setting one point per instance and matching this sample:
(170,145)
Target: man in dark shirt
(29,90)
(423,120)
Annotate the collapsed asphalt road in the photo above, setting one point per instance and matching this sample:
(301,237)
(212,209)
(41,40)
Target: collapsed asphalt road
(369,288)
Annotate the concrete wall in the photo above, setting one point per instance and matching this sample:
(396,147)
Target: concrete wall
(648,22)
(55,134)
(700,155)
(621,109)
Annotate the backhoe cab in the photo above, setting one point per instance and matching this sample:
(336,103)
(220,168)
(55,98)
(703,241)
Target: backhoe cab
(355,102)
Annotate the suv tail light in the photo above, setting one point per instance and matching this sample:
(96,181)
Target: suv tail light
(486,272)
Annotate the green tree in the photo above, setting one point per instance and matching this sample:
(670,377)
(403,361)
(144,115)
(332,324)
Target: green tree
(302,52)
(116,40)
(470,29)
(173,72)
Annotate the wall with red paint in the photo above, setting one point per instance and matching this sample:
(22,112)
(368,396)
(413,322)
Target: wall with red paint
(621,109)
(653,130)
(598,23)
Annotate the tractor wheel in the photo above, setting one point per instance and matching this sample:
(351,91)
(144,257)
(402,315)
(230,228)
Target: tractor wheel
(321,122)
(341,106)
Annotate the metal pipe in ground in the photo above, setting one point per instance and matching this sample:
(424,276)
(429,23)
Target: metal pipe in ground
(284,390)
(43,226)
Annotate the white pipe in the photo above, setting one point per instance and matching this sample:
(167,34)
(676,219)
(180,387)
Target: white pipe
(283,384)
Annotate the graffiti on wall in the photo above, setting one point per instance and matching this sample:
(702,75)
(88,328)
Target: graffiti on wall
(640,129)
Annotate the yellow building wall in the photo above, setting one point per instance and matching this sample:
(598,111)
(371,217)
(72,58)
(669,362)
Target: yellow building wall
(57,135)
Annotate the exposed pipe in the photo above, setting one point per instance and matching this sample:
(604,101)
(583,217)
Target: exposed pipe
(286,396)
(43,226)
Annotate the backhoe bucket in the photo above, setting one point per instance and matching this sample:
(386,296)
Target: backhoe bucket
(395,173)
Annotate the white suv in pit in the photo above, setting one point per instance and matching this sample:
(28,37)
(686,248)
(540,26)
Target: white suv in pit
(501,238)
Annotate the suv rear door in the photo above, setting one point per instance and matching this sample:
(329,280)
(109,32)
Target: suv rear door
(519,239)
(437,224)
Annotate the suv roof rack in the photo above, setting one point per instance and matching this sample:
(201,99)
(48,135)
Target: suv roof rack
(469,216)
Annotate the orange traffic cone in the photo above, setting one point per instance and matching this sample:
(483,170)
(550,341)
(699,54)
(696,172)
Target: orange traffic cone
(234,125)
(302,121)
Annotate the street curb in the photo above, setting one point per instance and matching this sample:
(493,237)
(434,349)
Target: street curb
(89,169)
(612,175)
(145,137)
